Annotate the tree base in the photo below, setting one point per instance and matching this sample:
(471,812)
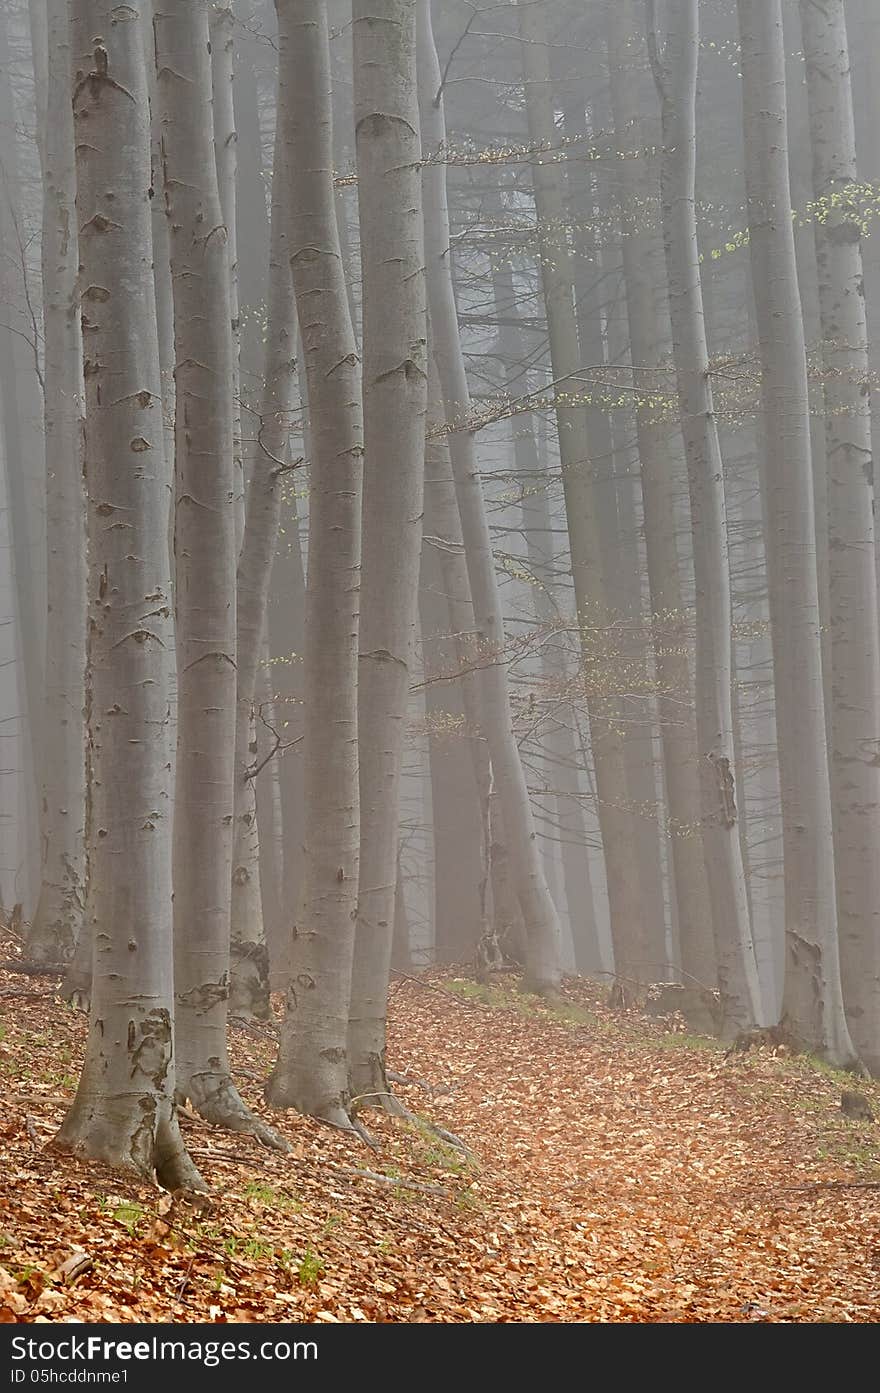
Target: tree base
(214,1097)
(123,1144)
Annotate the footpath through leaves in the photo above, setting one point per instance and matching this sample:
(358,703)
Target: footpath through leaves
(618,1171)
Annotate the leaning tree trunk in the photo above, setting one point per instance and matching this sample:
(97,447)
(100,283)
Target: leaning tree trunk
(58,920)
(812,999)
(539,913)
(675,72)
(855,637)
(124,1111)
(311,1072)
(650,343)
(250,964)
(205,571)
(395,385)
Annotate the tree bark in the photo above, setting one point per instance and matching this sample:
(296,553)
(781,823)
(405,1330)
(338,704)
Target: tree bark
(58,919)
(812,998)
(676,77)
(205,571)
(395,384)
(457,747)
(269,466)
(311,1071)
(124,1111)
(855,637)
(650,344)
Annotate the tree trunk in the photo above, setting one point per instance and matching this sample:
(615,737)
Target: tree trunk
(676,77)
(395,400)
(311,1072)
(459,764)
(205,572)
(124,1112)
(812,999)
(57,922)
(855,638)
(650,343)
(250,966)
(541,921)
(582,512)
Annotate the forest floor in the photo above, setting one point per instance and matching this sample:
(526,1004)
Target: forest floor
(619,1170)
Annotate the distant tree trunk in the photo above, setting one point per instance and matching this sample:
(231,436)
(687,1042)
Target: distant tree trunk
(812,999)
(458,760)
(269,810)
(855,637)
(287,603)
(650,342)
(582,506)
(21,412)
(251,216)
(675,71)
(560,747)
(124,1112)
(222,50)
(311,1071)
(205,572)
(248,970)
(250,963)
(541,921)
(58,920)
(395,382)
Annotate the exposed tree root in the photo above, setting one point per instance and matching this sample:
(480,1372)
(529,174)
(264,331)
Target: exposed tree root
(215,1098)
(381,1096)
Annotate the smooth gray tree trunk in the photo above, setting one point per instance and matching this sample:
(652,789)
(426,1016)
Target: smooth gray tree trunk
(205,571)
(812,997)
(650,345)
(124,1110)
(311,1071)
(58,919)
(395,387)
(675,72)
(855,636)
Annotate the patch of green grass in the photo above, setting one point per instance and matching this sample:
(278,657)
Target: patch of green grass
(567,1014)
(272,1199)
(311,1269)
(332,1222)
(129,1215)
(854,1150)
(257,1249)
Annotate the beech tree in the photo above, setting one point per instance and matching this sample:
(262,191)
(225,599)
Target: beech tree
(812,1000)
(204,540)
(395,387)
(59,914)
(855,635)
(674,64)
(124,1111)
(311,1071)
